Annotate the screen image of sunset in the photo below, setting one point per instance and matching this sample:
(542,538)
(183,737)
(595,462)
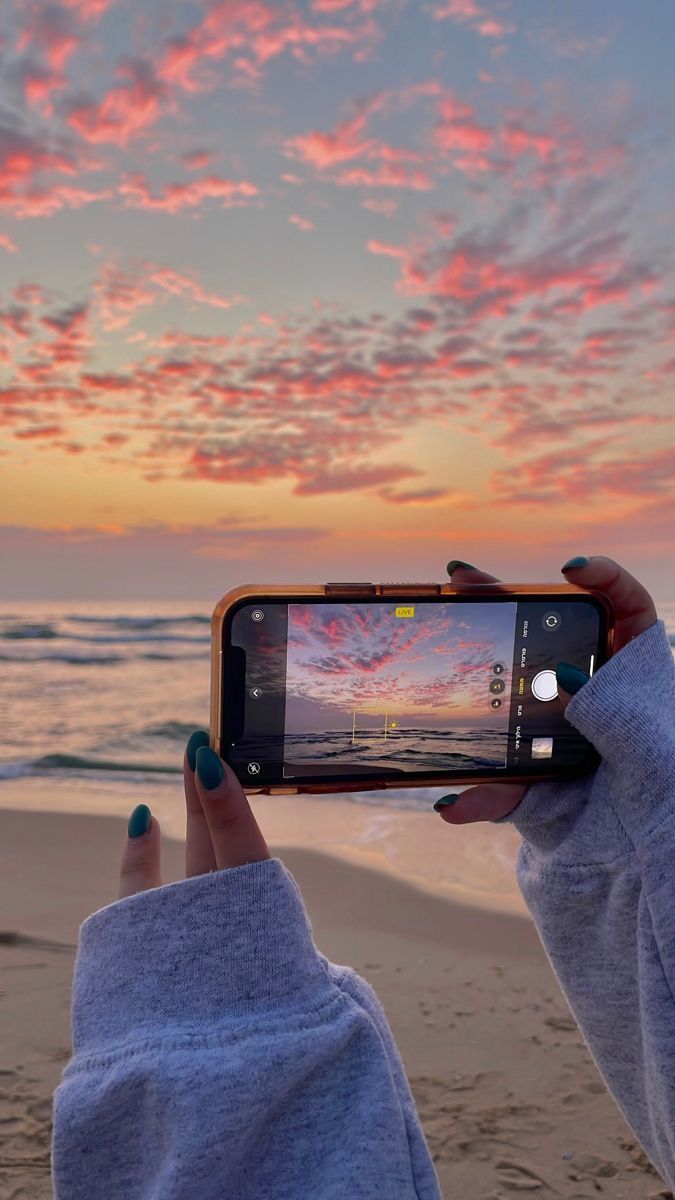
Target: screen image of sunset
(415,686)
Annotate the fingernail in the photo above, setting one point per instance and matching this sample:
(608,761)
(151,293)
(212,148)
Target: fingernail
(579,561)
(139,821)
(444,801)
(196,739)
(209,768)
(457,562)
(570,678)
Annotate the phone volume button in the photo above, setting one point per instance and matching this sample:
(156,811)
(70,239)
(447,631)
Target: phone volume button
(340,589)
(428,589)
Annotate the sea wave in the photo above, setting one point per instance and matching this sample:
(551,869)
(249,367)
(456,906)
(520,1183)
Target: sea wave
(103,660)
(139,622)
(178,730)
(30,631)
(79,762)
(36,632)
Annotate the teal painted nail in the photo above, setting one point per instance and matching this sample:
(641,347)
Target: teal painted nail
(209,768)
(139,821)
(579,561)
(457,562)
(444,801)
(196,739)
(570,678)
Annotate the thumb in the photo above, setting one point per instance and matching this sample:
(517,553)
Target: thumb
(491,801)
(140,867)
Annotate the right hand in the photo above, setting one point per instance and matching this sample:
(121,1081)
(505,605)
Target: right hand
(635,612)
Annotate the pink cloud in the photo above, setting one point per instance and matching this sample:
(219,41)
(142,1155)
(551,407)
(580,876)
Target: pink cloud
(469,12)
(253,33)
(462,10)
(330,6)
(17,320)
(302,223)
(52,28)
(490,280)
(492,28)
(178,284)
(45,201)
(180,56)
(22,158)
(386,176)
(88,10)
(121,293)
(125,112)
(347,142)
(383,248)
(175,197)
(8,244)
(197,160)
(342,144)
(39,83)
(386,207)
(72,341)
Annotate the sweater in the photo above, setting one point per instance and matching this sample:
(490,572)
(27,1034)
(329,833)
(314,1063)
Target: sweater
(218,1055)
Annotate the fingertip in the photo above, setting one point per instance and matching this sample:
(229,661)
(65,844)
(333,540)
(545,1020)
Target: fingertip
(196,741)
(140,821)
(210,770)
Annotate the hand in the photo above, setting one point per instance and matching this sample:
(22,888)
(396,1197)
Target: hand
(221,829)
(634,611)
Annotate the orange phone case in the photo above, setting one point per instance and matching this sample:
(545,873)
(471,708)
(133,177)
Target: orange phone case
(364,591)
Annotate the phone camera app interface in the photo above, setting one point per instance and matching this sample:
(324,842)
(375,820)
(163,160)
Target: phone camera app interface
(358,689)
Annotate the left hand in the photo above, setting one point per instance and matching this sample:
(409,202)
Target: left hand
(221,829)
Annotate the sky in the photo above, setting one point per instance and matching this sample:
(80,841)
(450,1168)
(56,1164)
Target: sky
(431,665)
(333,290)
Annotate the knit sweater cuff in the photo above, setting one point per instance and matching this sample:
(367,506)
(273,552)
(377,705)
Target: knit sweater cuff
(228,944)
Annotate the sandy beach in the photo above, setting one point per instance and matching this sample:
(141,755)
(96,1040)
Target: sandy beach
(507,1093)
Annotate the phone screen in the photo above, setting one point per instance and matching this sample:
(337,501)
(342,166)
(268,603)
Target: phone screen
(331,690)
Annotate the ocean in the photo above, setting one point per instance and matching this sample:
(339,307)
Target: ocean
(98,699)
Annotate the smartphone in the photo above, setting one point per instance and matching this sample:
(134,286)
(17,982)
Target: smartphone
(348,687)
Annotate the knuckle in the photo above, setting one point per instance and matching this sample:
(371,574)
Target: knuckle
(136,866)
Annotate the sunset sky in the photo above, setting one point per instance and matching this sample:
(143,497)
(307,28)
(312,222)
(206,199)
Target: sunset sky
(432,667)
(295,292)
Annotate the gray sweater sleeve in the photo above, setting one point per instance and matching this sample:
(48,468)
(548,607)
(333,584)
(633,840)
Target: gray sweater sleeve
(597,871)
(218,1055)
